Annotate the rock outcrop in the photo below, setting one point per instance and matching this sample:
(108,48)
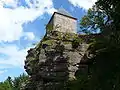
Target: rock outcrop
(55,60)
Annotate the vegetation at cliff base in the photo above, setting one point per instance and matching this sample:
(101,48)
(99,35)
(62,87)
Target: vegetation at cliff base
(14,84)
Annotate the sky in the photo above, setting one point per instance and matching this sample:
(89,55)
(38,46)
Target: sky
(22,23)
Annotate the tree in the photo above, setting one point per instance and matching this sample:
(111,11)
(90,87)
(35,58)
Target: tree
(104,13)
(94,21)
(104,18)
(18,81)
(6,85)
(14,84)
(111,8)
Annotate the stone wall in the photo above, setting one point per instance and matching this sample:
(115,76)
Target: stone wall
(64,23)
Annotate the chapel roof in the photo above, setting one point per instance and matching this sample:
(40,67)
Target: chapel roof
(64,12)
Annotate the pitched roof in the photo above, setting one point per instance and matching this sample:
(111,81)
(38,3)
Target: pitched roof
(63,12)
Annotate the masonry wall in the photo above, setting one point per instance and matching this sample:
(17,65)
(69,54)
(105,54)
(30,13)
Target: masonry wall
(65,24)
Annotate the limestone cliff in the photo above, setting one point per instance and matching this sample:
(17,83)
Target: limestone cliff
(55,60)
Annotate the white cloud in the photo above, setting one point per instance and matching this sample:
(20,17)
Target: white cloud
(2,71)
(12,3)
(5,66)
(11,20)
(29,36)
(86,4)
(15,56)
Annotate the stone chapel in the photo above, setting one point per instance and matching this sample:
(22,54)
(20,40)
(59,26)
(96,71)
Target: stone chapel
(63,21)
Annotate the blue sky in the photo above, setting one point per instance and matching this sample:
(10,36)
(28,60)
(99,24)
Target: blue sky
(22,22)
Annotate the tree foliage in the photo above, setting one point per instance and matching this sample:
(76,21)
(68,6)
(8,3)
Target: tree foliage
(111,8)
(13,84)
(104,18)
(93,21)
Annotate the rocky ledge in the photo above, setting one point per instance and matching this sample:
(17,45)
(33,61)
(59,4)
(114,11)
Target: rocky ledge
(55,60)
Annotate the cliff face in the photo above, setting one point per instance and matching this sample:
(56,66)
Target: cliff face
(54,61)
